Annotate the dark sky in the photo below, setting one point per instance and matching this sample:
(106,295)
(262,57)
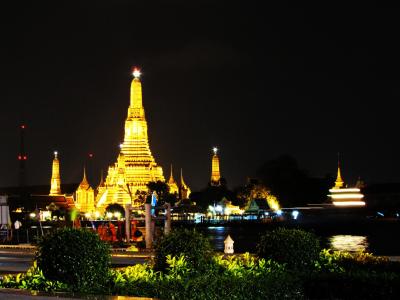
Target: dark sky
(255,82)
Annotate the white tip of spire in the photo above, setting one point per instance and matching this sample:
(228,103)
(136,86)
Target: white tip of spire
(215,149)
(55,154)
(121,145)
(136,73)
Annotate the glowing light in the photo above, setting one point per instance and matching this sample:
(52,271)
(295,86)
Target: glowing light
(347,190)
(109,215)
(295,214)
(55,153)
(347,196)
(121,145)
(46,215)
(117,214)
(91,155)
(88,215)
(351,243)
(97,214)
(348,203)
(136,73)
(279,212)
(215,150)
(23,126)
(32,215)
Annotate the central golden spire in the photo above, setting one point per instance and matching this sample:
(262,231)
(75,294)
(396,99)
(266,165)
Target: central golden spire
(135,166)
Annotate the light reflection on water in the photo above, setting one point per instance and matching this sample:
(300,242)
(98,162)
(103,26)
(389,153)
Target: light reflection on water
(350,243)
(246,239)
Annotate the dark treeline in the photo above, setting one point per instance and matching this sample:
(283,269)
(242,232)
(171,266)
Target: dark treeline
(281,177)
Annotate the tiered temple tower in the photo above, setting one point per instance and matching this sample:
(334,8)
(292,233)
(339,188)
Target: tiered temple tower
(55,177)
(215,174)
(135,166)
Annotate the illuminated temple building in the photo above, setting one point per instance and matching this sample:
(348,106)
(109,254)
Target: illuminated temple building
(84,196)
(182,191)
(344,196)
(135,166)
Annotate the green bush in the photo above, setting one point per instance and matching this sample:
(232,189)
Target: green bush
(33,279)
(76,257)
(242,277)
(196,248)
(297,248)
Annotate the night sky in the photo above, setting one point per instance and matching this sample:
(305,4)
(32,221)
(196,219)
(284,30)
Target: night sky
(255,82)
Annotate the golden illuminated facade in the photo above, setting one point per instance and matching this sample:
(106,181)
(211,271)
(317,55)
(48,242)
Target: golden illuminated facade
(343,196)
(184,189)
(215,174)
(55,183)
(135,166)
(84,196)
(173,187)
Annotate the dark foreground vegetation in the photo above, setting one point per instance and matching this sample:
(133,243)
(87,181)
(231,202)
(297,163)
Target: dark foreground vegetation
(289,265)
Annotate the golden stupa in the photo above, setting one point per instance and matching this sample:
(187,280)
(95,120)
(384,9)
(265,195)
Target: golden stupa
(135,166)
(215,174)
(55,183)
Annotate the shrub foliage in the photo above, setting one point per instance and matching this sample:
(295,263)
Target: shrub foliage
(297,248)
(76,257)
(190,243)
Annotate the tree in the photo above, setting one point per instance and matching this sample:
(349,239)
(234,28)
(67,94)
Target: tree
(254,190)
(162,190)
(115,207)
(292,185)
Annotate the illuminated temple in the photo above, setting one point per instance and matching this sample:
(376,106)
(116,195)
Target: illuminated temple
(135,166)
(343,196)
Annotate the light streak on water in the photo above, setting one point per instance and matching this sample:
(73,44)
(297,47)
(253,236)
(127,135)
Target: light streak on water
(350,243)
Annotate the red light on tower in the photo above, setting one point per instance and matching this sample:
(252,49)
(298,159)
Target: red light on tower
(90,155)
(136,72)
(23,126)
(19,157)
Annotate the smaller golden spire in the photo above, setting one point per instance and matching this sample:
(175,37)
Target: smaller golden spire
(182,181)
(173,187)
(84,183)
(171,179)
(185,190)
(215,173)
(55,183)
(339,181)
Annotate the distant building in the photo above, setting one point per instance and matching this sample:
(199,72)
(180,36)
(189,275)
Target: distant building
(84,196)
(257,206)
(173,187)
(224,207)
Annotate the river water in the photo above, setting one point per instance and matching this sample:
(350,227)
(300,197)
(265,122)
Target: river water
(377,237)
